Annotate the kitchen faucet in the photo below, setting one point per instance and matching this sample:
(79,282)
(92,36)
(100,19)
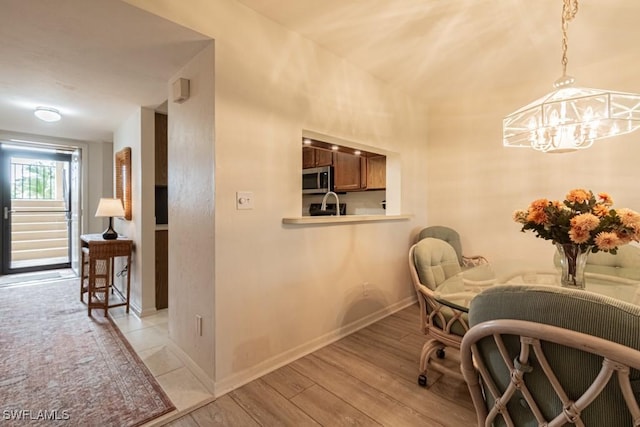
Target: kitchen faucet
(324,202)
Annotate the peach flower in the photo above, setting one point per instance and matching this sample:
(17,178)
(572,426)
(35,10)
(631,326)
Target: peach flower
(605,199)
(628,217)
(578,195)
(607,240)
(536,211)
(578,235)
(600,210)
(537,216)
(585,222)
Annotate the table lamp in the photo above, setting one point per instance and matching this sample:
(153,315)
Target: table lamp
(110,208)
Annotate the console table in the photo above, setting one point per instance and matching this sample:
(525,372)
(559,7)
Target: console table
(97,271)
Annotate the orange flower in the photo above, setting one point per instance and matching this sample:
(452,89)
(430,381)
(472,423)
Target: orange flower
(585,222)
(578,235)
(600,210)
(605,199)
(539,204)
(536,211)
(578,196)
(607,241)
(537,216)
(628,217)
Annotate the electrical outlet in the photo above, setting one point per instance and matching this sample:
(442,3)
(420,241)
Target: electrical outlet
(365,289)
(199,325)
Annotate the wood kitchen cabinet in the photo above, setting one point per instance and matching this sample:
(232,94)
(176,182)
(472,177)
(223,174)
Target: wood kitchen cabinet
(161,127)
(356,173)
(315,157)
(376,173)
(349,172)
(162,269)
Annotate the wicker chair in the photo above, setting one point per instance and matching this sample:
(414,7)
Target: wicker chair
(431,262)
(542,355)
(452,237)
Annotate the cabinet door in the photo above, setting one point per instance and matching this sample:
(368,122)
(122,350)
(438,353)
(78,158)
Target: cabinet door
(324,158)
(308,157)
(161,149)
(315,157)
(347,172)
(376,173)
(162,269)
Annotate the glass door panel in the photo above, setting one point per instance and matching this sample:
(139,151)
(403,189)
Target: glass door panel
(36,208)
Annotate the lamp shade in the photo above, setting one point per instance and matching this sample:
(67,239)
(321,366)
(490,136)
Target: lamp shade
(110,208)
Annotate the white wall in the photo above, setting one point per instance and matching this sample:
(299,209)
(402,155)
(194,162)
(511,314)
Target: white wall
(281,291)
(191,212)
(138,132)
(481,183)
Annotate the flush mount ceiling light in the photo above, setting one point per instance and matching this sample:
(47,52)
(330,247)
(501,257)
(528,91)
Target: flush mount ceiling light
(47,114)
(571,118)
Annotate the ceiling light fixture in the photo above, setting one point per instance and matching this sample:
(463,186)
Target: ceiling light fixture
(571,118)
(47,114)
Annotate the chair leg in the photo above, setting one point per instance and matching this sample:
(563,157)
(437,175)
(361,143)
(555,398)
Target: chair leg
(84,274)
(108,284)
(90,285)
(429,348)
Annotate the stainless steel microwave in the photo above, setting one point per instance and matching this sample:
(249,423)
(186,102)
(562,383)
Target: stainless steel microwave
(317,180)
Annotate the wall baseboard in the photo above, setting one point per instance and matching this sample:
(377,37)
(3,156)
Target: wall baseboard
(139,312)
(196,370)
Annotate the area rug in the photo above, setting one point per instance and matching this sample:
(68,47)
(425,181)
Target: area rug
(59,366)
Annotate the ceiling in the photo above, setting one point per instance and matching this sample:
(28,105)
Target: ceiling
(97,61)
(432,48)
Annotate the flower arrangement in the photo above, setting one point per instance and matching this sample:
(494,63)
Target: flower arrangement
(581,219)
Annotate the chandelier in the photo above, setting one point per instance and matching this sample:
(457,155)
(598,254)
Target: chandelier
(571,118)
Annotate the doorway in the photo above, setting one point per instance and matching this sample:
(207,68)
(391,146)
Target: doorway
(39,208)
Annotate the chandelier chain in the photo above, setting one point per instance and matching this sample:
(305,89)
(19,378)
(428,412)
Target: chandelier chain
(569,11)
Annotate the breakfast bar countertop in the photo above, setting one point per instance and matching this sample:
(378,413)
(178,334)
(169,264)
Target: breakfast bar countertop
(313,220)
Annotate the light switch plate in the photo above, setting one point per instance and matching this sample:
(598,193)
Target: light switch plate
(244,200)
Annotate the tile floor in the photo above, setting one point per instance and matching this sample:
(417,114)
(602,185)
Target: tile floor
(149,337)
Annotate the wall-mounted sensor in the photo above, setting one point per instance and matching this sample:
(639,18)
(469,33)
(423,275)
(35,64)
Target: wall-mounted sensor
(180,90)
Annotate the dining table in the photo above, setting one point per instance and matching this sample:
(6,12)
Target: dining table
(458,290)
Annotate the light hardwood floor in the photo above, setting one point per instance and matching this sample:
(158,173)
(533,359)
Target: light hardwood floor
(367,378)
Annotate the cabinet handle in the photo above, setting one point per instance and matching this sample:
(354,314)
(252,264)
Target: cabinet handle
(6,212)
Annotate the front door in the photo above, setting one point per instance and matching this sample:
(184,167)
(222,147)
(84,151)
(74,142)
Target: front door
(35,196)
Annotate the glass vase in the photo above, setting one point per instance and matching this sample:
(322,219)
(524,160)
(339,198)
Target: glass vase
(573,259)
